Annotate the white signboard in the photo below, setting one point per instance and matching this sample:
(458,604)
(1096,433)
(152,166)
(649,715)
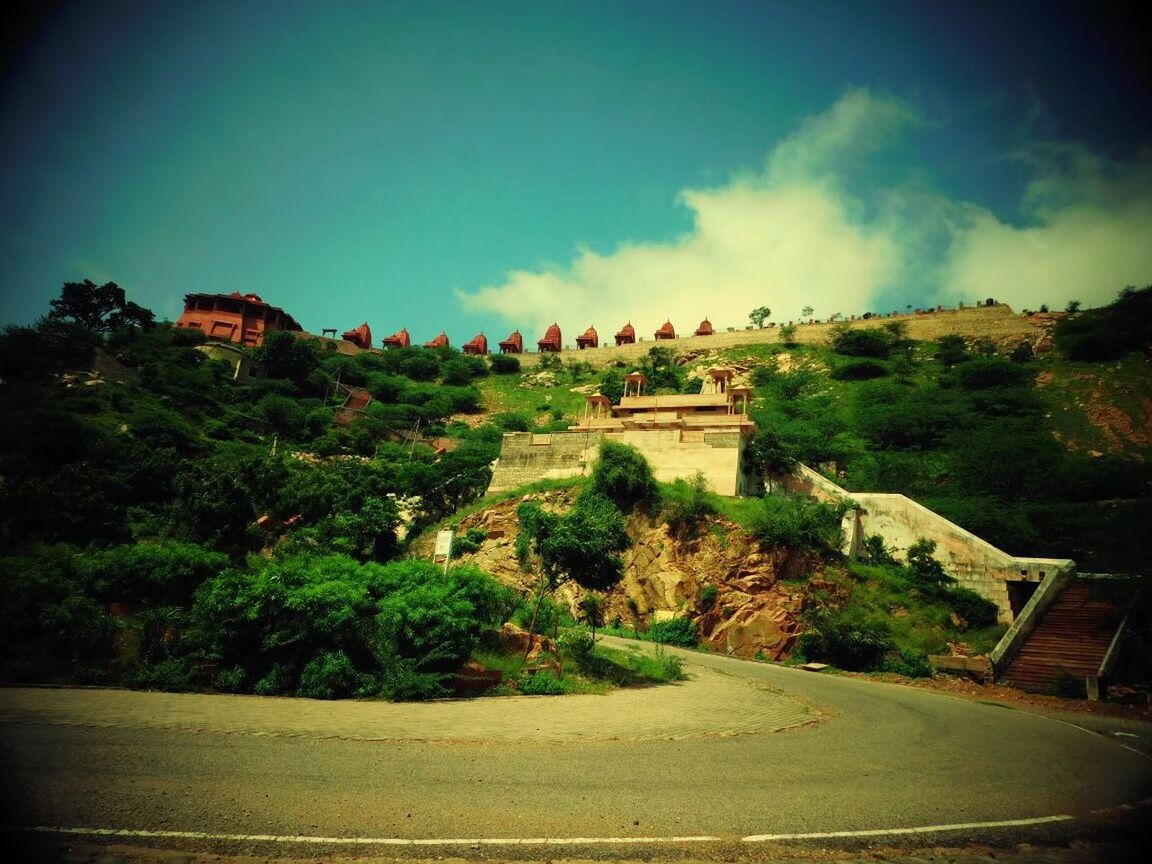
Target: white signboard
(443,544)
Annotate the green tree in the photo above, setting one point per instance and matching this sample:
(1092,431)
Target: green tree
(285,355)
(806,312)
(98,308)
(623,476)
(759,315)
(788,335)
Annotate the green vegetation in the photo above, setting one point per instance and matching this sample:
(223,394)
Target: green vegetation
(889,617)
(969,428)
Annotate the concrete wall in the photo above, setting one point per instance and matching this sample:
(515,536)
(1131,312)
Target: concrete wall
(973,562)
(526,457)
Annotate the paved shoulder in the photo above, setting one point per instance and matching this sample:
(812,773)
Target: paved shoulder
(711,703)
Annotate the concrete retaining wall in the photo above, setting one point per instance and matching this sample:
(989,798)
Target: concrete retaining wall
(973,562)
(526,457)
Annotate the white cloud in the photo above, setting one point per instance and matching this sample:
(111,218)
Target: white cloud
(790,236)
(783,238)
(1089,234)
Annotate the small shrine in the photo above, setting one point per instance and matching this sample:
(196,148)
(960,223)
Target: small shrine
(361,336)
(399,339)
(627,335)
(588,339)
(514,344)
(552,340)
(666,331)
(440,341)
(478,344)
(705,328)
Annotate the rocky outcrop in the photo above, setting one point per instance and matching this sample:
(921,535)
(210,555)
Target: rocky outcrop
(745,601)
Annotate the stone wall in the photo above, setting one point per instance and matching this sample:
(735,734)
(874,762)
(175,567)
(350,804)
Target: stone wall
(718,454)
(975,563)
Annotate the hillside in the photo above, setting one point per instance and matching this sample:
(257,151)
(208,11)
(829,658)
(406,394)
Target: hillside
(151,491)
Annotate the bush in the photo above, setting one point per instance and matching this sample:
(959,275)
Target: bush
(512,421)
(924,571)
(576,643)
(233,680)
(623,476)
(686,505)
(862,370)
(469,542)
(504,364)
(329,675)
(862,342)
(708,596)
(975,609)
(674,631)
(541,683)
(912,664)
(279,679)
(845,638)
(794,521)
(171,674)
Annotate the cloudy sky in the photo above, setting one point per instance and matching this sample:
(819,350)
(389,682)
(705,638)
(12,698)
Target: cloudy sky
(477,166)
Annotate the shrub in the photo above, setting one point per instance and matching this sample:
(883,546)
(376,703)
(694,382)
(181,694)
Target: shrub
(877,552)
(845,638)
(278,680)
(686,505)
(794,521)
(232,680)
(512,421)
(924,571)
(469,542)
(504,364)
(861,370)
(623,476)
(329,675)
(862,342)
(541,683)
(708,596)
(912,664)
(674,631)
(977,610)
(576,643)
(171,674)
(788,335)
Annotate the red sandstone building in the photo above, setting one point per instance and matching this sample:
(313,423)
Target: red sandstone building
(478,345)
(514,344)
(552,340)
(235,317)
(627,335)
(589,339)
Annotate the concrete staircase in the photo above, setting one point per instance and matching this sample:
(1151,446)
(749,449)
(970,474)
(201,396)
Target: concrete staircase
(1071,639)
(354,405)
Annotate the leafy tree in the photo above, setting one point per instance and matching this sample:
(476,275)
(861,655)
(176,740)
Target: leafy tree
(951,349)
(98,308)
(759,315)
(284,355)
(925,572)
(1073,307)
(1110,332)
(806,312)
(623,476)
(788,335)
(612,385)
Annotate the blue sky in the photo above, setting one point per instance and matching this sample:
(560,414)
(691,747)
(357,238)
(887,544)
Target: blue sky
(477,166)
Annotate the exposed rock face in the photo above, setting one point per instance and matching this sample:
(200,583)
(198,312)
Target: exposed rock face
(754,604)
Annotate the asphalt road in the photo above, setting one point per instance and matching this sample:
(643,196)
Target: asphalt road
(869,759)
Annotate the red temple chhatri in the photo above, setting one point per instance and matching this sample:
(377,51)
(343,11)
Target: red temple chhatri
(440,341)
(478,344)
(627,335)
(666,331)
(588,339)
(399,339)
(235,317)
(705,328)
(551,340)
(514,344)
(361,336)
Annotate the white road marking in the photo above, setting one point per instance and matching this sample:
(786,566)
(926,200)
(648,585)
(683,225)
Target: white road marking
(539,841)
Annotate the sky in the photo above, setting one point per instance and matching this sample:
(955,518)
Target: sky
(488,166)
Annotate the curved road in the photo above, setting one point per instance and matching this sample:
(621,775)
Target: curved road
(741,754)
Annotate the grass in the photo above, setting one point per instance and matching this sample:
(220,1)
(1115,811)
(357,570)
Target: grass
(602,670)
(504,393)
